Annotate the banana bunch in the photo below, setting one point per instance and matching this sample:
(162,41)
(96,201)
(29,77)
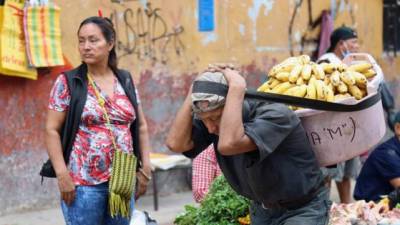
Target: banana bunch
(300,77)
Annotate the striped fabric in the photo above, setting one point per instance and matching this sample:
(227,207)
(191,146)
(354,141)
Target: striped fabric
(122,183)
(43,35)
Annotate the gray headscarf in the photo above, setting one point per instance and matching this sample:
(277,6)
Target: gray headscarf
(200,94)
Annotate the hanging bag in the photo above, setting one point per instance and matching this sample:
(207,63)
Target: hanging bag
(13,59)
(43,34)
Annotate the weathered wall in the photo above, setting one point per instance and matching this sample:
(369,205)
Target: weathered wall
(159,42)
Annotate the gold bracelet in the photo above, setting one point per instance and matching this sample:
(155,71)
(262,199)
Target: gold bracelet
(148,177)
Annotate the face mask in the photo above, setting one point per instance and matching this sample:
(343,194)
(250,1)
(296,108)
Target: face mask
(346,50)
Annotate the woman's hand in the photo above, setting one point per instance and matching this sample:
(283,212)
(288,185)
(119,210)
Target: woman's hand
(143,179)
(66,187)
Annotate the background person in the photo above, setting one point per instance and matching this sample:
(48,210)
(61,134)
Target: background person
(84,181)
(205,170)
(344,41)
(380,174)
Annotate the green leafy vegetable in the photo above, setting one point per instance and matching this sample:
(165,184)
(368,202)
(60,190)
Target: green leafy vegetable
(221,206)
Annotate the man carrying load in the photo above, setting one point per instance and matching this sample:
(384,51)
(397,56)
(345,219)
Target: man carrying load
(261,148)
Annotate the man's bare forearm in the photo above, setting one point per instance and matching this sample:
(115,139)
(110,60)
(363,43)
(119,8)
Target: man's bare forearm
(231,129)
(179,138)
(232,138)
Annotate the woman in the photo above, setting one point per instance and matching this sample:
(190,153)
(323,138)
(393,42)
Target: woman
(93,130)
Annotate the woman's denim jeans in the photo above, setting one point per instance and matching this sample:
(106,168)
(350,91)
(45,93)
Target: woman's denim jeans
(90,207)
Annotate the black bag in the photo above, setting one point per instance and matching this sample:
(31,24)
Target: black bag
(47,170)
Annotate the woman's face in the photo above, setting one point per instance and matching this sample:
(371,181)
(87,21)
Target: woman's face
(93,47)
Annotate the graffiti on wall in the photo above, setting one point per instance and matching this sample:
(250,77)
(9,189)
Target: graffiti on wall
(145,34)
(313,24)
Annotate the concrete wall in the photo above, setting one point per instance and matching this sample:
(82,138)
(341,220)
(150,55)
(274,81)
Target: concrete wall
(159,42)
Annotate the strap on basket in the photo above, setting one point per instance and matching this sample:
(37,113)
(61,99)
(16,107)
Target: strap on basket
(222,90)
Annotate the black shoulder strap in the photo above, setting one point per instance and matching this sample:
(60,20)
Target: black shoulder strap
(222,90)
(126,81)
(125,78)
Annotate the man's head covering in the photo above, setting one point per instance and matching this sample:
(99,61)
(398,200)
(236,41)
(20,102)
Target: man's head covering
(396,118)
(209,87)
(341,34)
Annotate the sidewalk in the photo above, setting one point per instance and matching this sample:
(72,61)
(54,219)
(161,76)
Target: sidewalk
(169,206)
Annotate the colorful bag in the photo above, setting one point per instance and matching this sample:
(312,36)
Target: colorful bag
(13,59)
(43,35)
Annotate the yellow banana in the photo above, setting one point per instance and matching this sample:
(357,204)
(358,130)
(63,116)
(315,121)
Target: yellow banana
(302,91)
(311,91)
(282,76)
(327,81)
(360,67)
(272,82)
(300,81)
(306,72)
(328,67)
(335,78)
(319,86)
(295,73)
(329,95)
(312,79)
(342,88)
(281,88)
(263,87)
(361,80)
(297,91)
(330,86)
(369,73)
(347,78)
(363,92)
(318,71)
(304,59)
(342,67)
(287,67)
(356,92)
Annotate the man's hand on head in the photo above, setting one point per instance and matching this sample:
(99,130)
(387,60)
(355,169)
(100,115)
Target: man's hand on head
(234,78)
(220,67)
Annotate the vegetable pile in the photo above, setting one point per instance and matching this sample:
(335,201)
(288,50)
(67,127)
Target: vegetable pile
(221,206)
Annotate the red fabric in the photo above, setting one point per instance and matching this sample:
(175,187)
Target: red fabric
(205,170)
(327,27)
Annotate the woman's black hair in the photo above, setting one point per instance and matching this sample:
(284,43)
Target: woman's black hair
(108,32)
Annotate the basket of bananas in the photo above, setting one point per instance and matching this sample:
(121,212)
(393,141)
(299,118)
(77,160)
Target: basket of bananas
(336,135)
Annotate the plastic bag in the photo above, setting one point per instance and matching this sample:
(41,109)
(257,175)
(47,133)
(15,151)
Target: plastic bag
(141,218)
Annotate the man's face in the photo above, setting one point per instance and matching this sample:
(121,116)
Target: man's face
(351,45)
(211,119)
